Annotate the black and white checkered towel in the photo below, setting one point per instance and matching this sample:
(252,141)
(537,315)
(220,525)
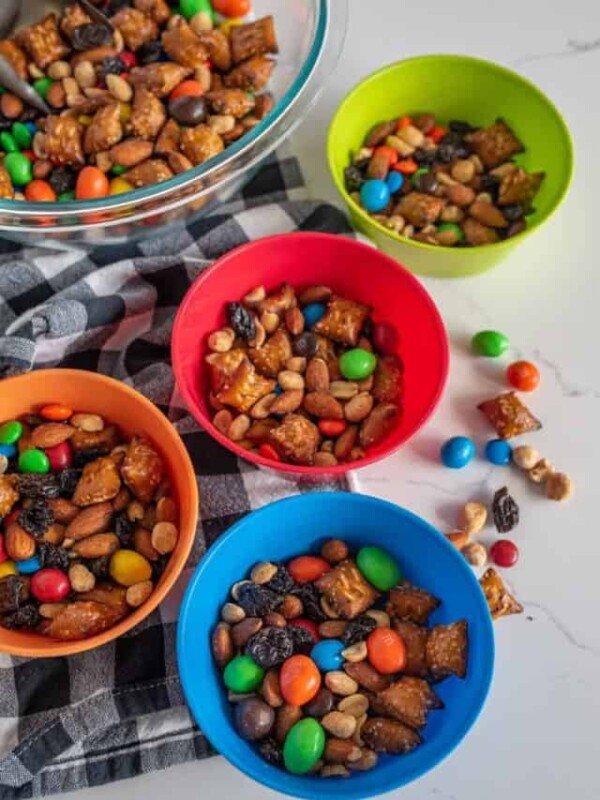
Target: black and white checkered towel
(115,712)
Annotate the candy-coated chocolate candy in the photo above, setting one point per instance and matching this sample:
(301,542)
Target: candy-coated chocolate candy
(128,567)
(59,456)
(278,390)
(8,143)
(452,226)
(120,186)
(40,192)
(386,651)
(21,134)
(504,553)
(523,375)
(91,184)
(489,343)
(29,565)
(191,7)
(498,451)
(332,427)
(11,432)
(7,568)
(299,680)
(19,168)
(357,364)
(303,746)
(42,86)
(327,654)
(243,675)
(232,8)
(306,569)
(3,556)
(253,719)
(34,460)
(267,450)
(313,313)
(385,338)
(457,452)
(395,181)
(50,585)
(56,412)
(374,195)
(378,567)
(8,450)
(308,625)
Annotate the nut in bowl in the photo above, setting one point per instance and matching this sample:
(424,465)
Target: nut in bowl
(326,356)
(99,505)
(446,181)
(293,693)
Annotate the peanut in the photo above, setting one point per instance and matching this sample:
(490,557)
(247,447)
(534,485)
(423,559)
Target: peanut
(222,421)
(239,427)
(475,554)
(338,724)
(340,683)
(356,652)
(343,390)
(296,364)
(255,296)
(232,613)
(381,617)
(473,517)
(81,579)
(334,771)
(559,486)
(137,594)
(525,457)
(260,336)
(270,321)
(463,170)
(541,471)
(221,341)
(354,704)
(367,761)
(262,409)
(411,135)
(324,459)
(164,537)
(85,76)
(59,70)
(289,380)
(263,572)
(201,22)
(119,88)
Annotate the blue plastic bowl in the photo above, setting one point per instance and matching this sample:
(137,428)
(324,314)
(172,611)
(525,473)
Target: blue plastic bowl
(299,525)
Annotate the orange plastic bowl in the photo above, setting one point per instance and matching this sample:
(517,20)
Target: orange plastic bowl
(351,269)
(134,414)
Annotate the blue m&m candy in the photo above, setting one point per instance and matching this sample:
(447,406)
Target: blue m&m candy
(374,195)
(313,313)
(8,450)
(457,452)
(498,452)
(327,654)
(29,565)
(395,181)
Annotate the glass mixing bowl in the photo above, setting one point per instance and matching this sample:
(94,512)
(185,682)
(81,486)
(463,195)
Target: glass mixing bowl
(310,35)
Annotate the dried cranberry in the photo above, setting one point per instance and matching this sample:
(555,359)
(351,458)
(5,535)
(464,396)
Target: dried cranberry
(91,35)
(241,320)
(271,646)
(505,511)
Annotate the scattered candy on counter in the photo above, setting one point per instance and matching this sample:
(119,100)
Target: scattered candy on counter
(498,452)
(451,186)
(158,92)
(523,375)
(491,344)
(328,702)
(457,452)
(304,377)
(86,523)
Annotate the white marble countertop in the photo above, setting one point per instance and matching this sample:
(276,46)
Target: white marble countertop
(538,734)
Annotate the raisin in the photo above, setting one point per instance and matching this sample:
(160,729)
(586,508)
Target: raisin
(68,480)
(112,65)
(358,629)
(310,600)
(271,752)
(124,529)
(424,158)
(306,345)
(257,601)
(38,486)
(491,185)
(302,640)
(282,582)
(84,457)
(149,52)
(62,180)
(513,212)
(14,592)
(367,328)
(113,6)
(271,646)
(52,555)
(26,617)
(37,518)
(353,178)
(99,566)
(505,511)
(460,126)
(5,124)
(241,320)
(158,567)
(91,35)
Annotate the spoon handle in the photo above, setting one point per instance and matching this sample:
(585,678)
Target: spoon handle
(11,81)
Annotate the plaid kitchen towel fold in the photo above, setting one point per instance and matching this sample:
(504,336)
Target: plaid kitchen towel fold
(69,723)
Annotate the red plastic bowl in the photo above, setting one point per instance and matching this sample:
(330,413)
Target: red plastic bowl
(351,269)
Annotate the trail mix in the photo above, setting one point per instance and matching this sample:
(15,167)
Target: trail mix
(155,92)
(304,378)
(451,186)
(87,523)
(320,677)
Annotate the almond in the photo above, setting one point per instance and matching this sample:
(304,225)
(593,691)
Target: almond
(55,534)
(332,629)
(323,405)
(142,541)
(317,375)
(242,631)
(93,519)
(294,321)
(50,434)
(345,442)
(64,511)
(287,717)
(222,645)
(378,424)
(288,402)
(315,294)
(96,546)
(460,195)
(270,689)
(18,543)
(166,510)
(338,751)
(487,214)
(359,407)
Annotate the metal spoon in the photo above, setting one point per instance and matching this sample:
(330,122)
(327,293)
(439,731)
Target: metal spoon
(8,77)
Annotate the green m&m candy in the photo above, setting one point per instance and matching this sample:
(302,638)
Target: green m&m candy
(7,143)
(11,432)
(18,167)
(21,135)
(489,343)
(41,85)
(357,364)
(243,675)
(378,567)
(34,461)
(303,746)
(190,8)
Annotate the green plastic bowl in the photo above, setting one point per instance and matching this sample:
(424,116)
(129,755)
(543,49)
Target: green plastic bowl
(454,87)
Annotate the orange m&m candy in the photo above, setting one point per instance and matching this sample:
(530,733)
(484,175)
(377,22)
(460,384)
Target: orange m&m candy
(386,651)
(40,191)
(56,412)
(306,569)
(189,88)
(232,8)
(299,680)
(91,183)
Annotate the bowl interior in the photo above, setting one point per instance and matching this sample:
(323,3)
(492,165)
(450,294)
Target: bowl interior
(351,269)
(134,414)
(458,87)
(425,558)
